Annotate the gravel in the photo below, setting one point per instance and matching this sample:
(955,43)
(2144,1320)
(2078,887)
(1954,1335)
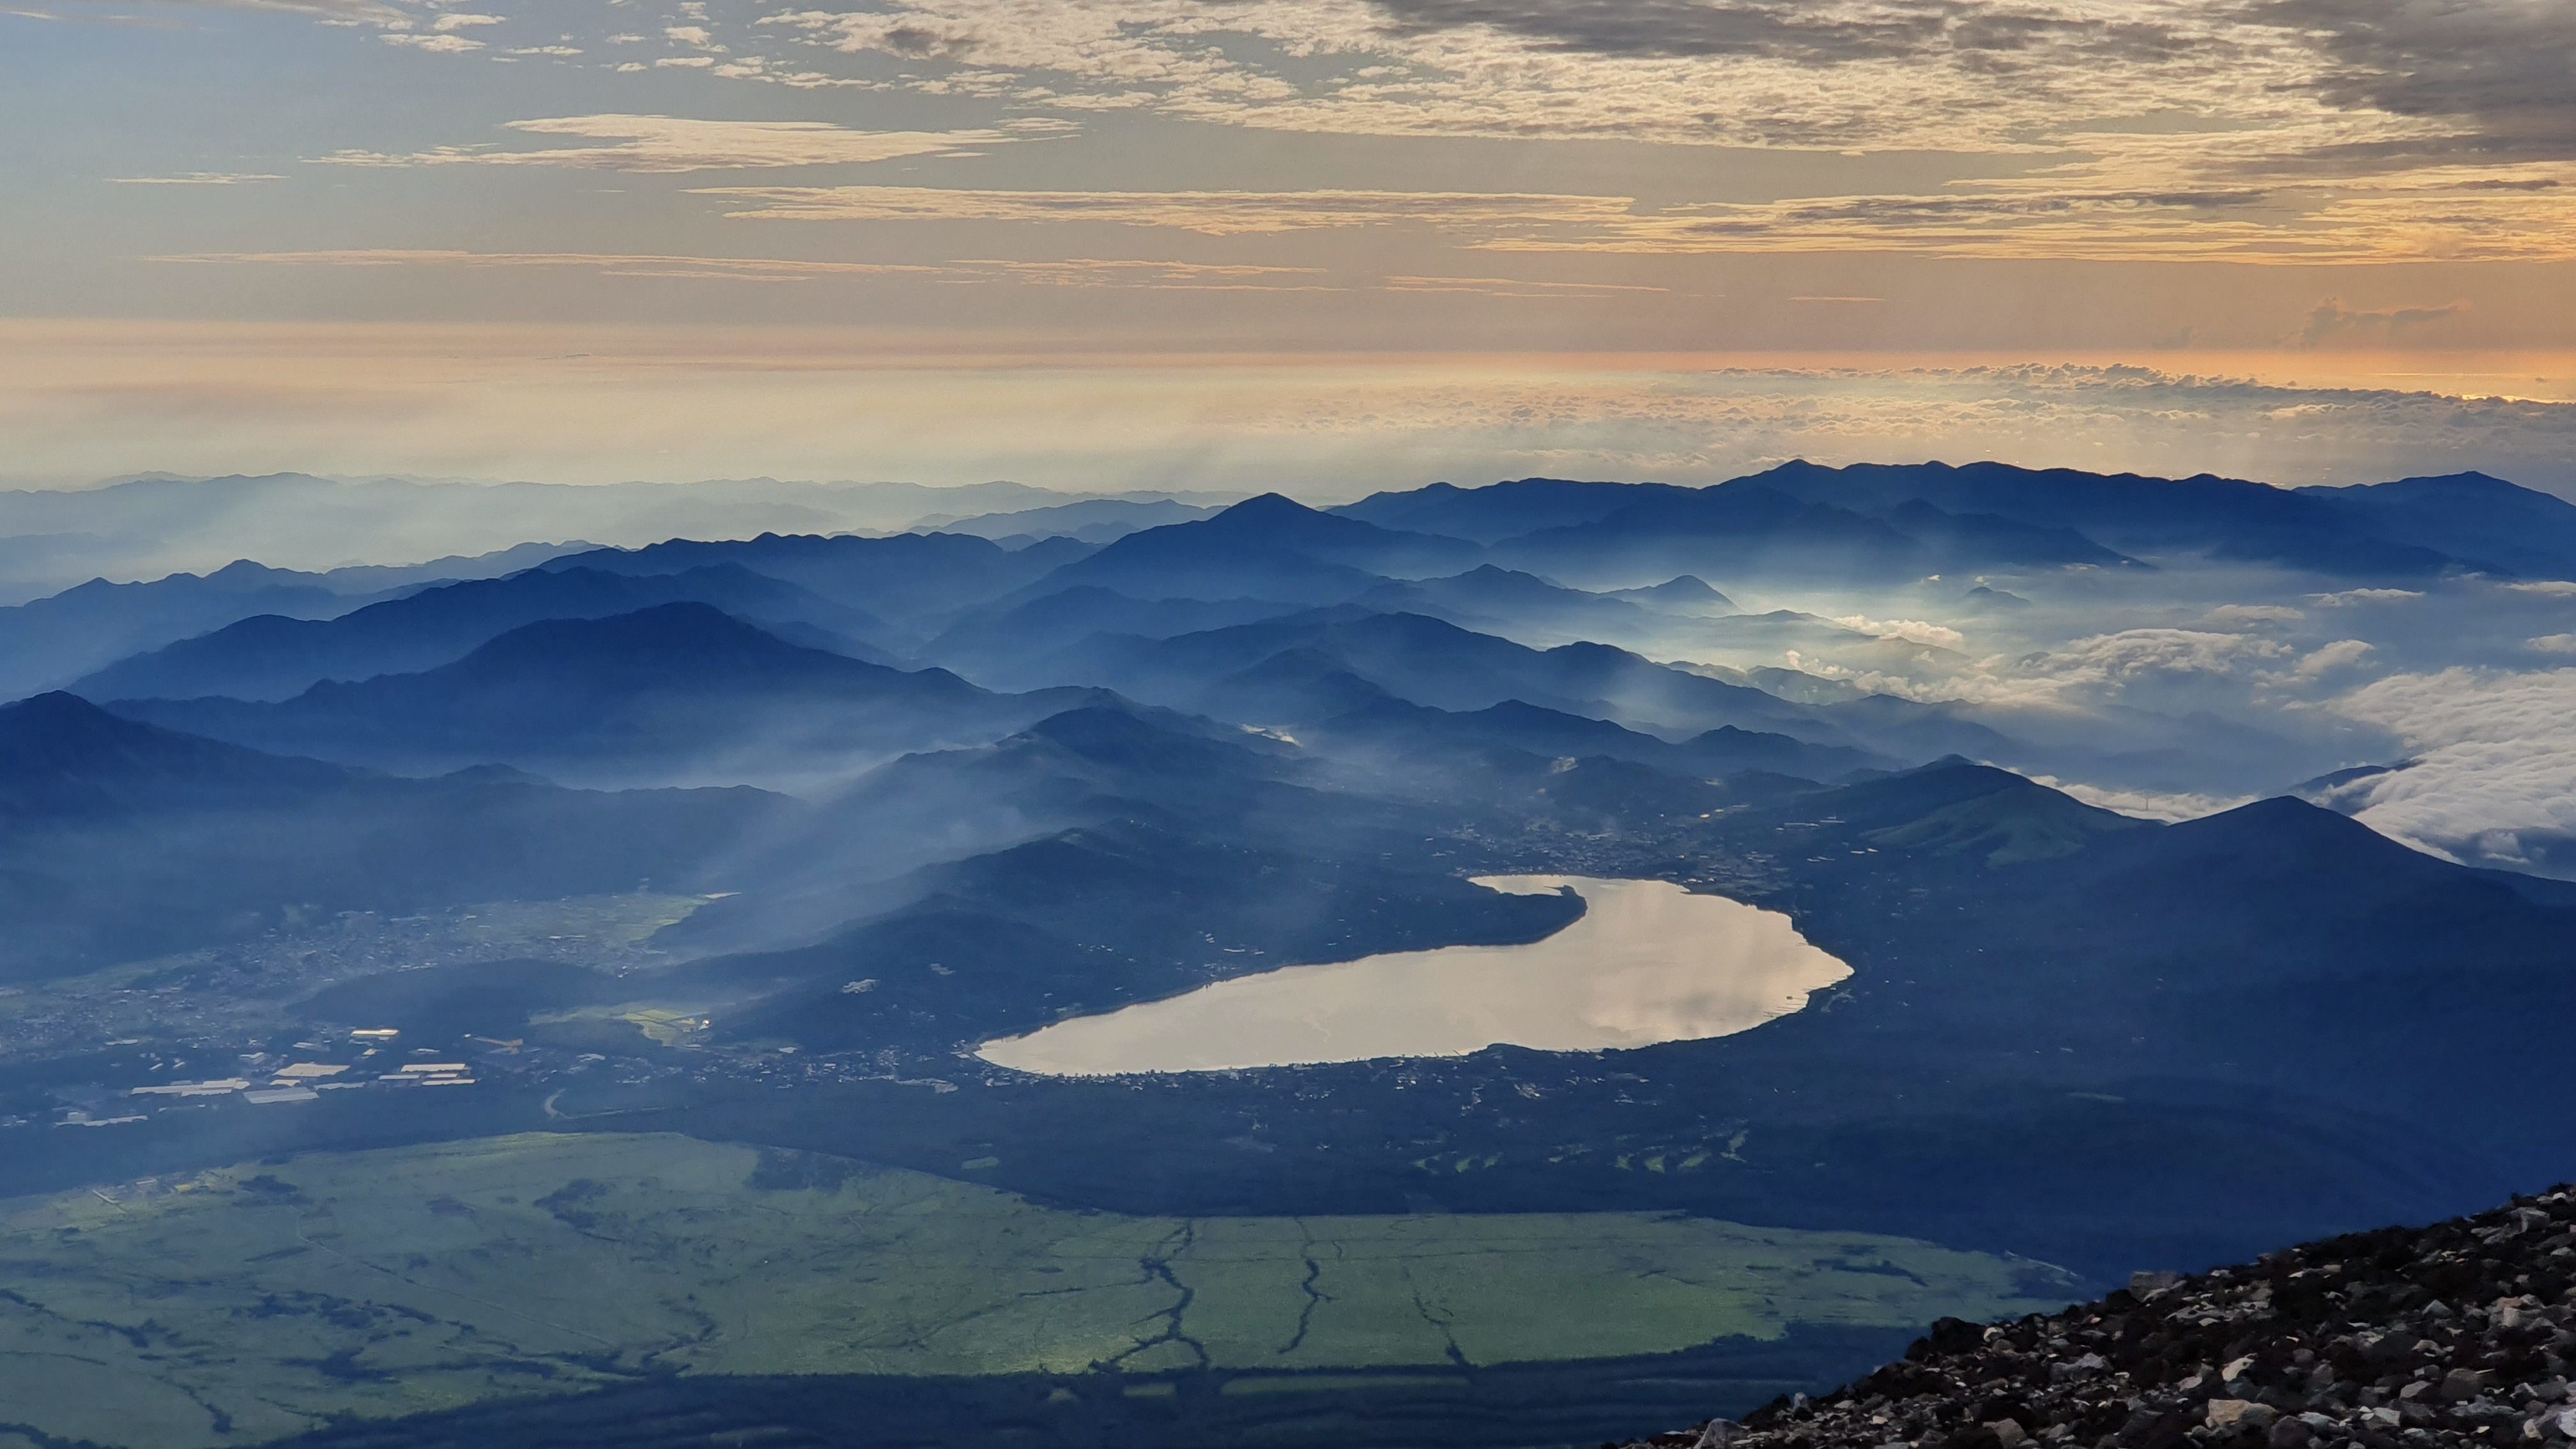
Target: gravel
(2460,1333)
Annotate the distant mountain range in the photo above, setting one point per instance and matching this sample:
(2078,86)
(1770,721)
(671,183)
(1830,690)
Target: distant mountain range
(680,690)
(1884,517)
(1211,759)
(2087,1035)
(270,657)
(1441,627)
(1094,520)
(51,641)
(154,524)
(1310,667)
(1268,547)
(901,577)
(120,839)
(755,837)
(2411,528)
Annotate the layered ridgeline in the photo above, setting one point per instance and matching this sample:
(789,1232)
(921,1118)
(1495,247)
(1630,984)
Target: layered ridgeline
(123,840)
(710,880)
(1267,609)
(146,526)
(679,692)
(2458,1333)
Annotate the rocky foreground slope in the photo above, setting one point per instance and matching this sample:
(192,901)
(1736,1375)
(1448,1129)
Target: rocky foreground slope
(2459,1333)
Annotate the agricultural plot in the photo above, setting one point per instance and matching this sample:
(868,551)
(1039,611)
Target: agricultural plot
(260,1301)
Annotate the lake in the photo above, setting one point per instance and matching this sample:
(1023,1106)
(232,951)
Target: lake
(1648,962)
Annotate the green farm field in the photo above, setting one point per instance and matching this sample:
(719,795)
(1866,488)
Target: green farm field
(261,1301)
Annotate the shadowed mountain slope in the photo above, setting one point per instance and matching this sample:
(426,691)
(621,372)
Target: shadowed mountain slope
(121,839)
(1300,669)
(2334,1342)
(1750,527)
(1008,941)
(272,658)
(1003,643)
(1498,511)
(681,690)
(2225,518)
(1431,661)
(63,758)
(897,577)
(1267,547)
(2483,521)
(1093,520)
(1499,600)
(2051,1007)
(49,642)
(1552,735)
(1083,767)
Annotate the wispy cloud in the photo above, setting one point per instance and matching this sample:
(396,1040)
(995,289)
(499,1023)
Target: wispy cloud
(2046,218)
(1072,272)
(436,44)
(334,12)
(674,144)
(199,178)
(2162,227)
(2250,616)
(1211,213)
(729,269)
(2332,319)
(2147,804)
(508,399)
(2495,759)
(2278,130)
(2252,131)
(1511,287)
(1184,276)
(2491,75)
(2329,658)
(56,17)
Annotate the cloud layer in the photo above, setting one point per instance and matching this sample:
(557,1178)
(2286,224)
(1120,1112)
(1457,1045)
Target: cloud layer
(1069,272)
(671,144)
(2320,132)
(2268,131)
(2494,771)
(82,401)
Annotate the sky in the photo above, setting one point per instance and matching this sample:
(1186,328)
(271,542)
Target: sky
(1326,245)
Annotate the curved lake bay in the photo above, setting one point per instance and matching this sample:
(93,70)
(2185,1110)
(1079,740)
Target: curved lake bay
(1648,962)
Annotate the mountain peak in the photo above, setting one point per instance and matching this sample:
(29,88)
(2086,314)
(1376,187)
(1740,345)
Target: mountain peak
(1276,517)
(2472,479)
(676,630)
(1268,505)
(62,755)
(1098,732)
(25,724)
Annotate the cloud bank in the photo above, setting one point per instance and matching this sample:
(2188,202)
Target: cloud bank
(2494,771)
(672,144)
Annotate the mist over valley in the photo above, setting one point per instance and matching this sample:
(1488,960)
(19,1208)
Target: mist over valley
(1512,964)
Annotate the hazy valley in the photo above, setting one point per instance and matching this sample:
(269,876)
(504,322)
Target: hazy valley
(1510,965)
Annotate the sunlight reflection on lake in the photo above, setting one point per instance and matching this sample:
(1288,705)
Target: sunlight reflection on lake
(1648,962)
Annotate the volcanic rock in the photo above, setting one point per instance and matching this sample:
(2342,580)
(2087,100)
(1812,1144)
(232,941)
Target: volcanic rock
(2402,1338)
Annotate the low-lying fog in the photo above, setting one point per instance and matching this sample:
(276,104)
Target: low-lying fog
(1648,962)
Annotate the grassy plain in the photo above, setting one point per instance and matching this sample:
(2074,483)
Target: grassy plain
(258,1301)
